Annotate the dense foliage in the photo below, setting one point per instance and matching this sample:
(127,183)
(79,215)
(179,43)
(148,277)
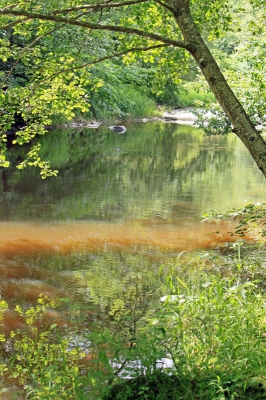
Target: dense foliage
(50,67)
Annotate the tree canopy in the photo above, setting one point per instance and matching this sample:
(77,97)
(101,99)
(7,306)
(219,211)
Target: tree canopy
(49,54)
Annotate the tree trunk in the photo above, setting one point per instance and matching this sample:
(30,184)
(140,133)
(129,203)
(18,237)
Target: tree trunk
(242,126)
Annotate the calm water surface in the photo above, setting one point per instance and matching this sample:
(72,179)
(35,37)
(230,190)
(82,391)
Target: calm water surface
(155,170)
(143,191)
(146,188)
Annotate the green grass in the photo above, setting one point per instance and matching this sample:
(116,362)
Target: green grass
(136,103)
(212,326)
(160,386)
(194,91)
(120,101)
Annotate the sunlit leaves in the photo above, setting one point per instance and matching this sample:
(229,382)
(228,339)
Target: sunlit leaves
(3,308)
(212,16)
(5,51)
(3,162)
(34,160)
(249,62)
(44,365)
(39,75)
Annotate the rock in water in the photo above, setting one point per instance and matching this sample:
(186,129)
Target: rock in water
(118,129)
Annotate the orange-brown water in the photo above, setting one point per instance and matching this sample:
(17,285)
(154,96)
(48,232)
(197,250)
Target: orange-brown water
(20,283)
(28,238)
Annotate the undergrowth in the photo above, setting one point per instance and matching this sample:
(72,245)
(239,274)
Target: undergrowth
(201,337)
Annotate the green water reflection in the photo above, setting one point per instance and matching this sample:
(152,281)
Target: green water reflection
(154,170)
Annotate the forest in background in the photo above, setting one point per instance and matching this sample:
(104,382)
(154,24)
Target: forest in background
(120,86)
(51,71)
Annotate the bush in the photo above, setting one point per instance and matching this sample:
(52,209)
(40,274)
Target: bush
(211,119)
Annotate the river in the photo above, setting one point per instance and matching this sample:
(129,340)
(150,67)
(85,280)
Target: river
(119,205)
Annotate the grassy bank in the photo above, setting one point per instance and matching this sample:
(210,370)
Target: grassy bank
(194,91)
(122,100)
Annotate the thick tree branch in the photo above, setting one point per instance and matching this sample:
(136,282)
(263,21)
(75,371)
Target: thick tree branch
(99,6)
(164,5)
(84,24)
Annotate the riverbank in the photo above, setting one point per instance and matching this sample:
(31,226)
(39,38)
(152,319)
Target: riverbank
(182,116)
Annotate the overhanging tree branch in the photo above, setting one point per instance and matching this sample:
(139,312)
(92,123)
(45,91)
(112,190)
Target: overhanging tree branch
(85,24)
(99,6)
(164,5)
(192,41)
(25,50)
